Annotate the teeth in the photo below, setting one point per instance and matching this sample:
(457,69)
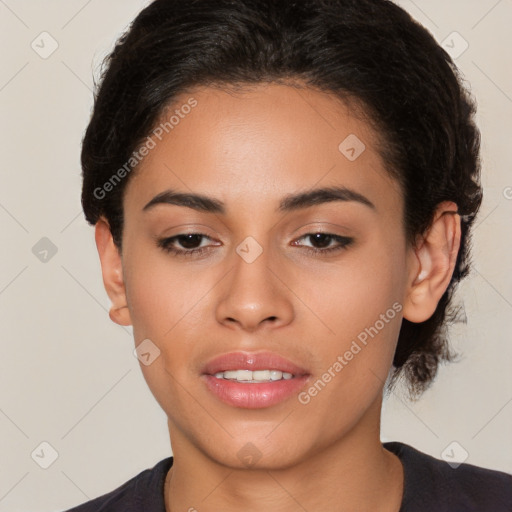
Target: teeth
(254,376)
(261,375)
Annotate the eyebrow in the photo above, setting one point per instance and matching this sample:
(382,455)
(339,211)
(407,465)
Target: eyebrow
(291,202)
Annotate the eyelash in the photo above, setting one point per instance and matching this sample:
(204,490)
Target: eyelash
(166,244)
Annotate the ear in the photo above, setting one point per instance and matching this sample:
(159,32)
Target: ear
(112,271)
(435,257)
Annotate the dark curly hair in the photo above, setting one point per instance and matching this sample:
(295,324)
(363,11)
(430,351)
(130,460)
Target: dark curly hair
(367,52)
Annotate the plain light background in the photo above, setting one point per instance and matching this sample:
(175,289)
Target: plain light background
(68,374)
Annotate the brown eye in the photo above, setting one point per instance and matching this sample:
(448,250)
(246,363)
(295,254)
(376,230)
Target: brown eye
(184,244)
(322,242)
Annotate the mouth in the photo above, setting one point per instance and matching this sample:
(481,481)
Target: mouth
(250,376)
(253,380)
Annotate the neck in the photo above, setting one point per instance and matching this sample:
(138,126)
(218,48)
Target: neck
(356,473)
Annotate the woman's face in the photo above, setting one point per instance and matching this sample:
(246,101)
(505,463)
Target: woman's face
(258,289)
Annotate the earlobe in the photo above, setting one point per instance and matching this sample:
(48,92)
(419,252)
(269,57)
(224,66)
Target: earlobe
(436,256)
(112,272)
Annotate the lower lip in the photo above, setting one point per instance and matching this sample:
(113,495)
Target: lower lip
(253,395)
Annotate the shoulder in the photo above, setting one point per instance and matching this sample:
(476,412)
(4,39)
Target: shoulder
(143,492)
(432,484)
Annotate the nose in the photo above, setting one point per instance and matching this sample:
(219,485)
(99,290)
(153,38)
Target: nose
(255,295)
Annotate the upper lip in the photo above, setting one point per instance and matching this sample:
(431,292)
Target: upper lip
(251,361)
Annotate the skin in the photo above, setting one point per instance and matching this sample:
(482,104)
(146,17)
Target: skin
(249,149)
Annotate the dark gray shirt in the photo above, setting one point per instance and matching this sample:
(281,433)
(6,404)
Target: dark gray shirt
(430,485)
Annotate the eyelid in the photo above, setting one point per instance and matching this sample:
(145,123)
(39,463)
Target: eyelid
(325,227)
(185,229)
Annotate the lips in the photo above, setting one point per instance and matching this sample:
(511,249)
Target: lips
(252,361)
(253,395)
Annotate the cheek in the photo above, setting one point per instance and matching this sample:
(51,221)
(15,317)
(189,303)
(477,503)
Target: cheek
(167,297)
(353,293)
(164,303)
(359,304)
(169,304)
(160,293)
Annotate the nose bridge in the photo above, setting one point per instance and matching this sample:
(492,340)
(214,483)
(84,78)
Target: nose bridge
(253,293)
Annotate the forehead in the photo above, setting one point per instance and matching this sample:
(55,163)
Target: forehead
(258,144)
